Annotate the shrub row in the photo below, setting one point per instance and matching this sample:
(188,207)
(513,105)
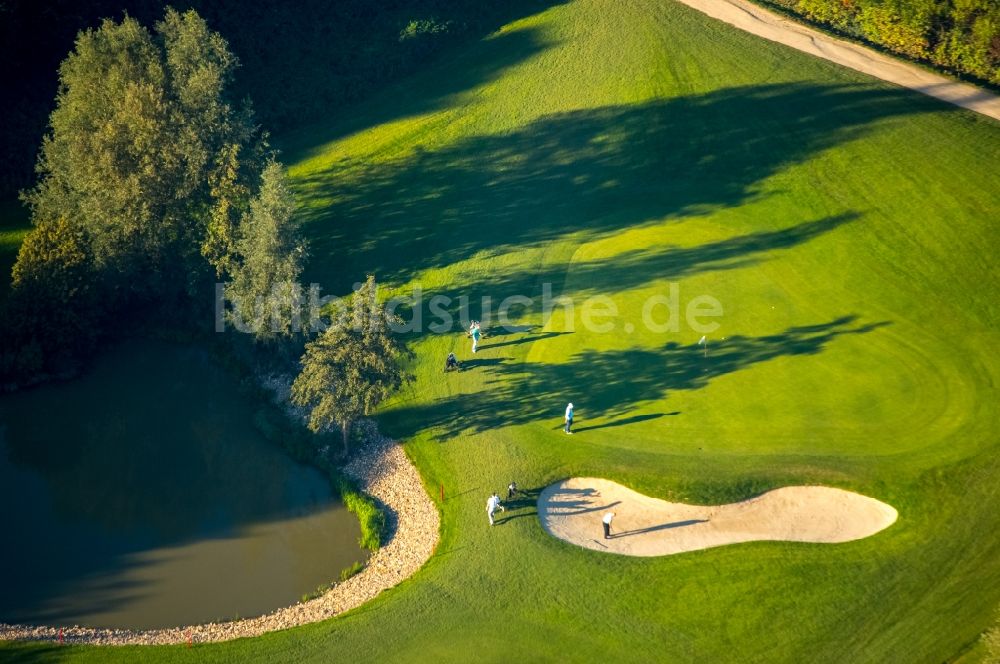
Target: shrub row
(962,36)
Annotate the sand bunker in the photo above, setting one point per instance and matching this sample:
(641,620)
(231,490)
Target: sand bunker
(571,510)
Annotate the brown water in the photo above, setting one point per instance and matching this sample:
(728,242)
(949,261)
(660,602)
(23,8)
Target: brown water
(140,495)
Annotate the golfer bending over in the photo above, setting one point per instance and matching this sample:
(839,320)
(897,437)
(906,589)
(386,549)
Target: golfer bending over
(607,524)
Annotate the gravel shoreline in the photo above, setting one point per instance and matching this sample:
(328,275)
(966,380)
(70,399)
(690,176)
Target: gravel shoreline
(383,471)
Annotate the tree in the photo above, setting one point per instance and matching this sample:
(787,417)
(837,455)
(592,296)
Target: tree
(352,367)
(267,262)
(150,180)
(140,132)
(54,308)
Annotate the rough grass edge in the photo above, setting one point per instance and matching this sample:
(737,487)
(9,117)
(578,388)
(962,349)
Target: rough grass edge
(991,640)
(363,506)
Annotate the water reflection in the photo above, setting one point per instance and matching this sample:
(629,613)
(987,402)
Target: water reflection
(140,495)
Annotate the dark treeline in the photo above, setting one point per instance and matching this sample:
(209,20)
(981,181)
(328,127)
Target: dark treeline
(153,183)
(300,60)
(155,186)
(962,36)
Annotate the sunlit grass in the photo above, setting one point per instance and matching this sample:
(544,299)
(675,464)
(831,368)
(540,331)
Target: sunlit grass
(848,228)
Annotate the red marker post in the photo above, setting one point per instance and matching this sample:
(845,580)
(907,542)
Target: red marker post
(190,640)
(61,636)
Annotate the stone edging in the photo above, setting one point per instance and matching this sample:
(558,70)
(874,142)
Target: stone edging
(383,471)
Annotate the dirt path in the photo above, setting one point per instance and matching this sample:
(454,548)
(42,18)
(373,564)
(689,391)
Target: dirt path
(773,27)
(644,526)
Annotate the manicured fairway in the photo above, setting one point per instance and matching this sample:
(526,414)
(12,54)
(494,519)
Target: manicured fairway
(849,229)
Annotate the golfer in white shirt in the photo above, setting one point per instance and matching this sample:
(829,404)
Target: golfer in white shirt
(607,524)
(492,505)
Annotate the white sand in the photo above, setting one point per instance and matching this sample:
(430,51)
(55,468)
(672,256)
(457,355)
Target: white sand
(773,27)
(571,510)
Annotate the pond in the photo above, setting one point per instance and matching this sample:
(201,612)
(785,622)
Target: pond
(140,495)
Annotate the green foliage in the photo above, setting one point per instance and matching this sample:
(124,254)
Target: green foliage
(961,35)
(55,307)
(268,261)
(420,37)
(320,590)
(323,588)
(298,442)
(230,191)
(371,517)
(348,572)
(352,367)
(54,257)
(421,29)
(149,178)
(140,124)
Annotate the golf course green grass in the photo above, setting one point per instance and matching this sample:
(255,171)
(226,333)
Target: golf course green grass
(849,229)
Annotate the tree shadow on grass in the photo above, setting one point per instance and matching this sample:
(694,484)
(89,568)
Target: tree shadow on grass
(600,276)
(589,172)
(602,383)
(666,263)
(32,653)
(423,93)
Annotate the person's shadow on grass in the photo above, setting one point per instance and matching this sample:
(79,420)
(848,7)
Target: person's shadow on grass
(524,340)
(468,365)
(635,419)
(523,499)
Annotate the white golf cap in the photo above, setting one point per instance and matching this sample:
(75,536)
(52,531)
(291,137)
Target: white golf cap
(570,404)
